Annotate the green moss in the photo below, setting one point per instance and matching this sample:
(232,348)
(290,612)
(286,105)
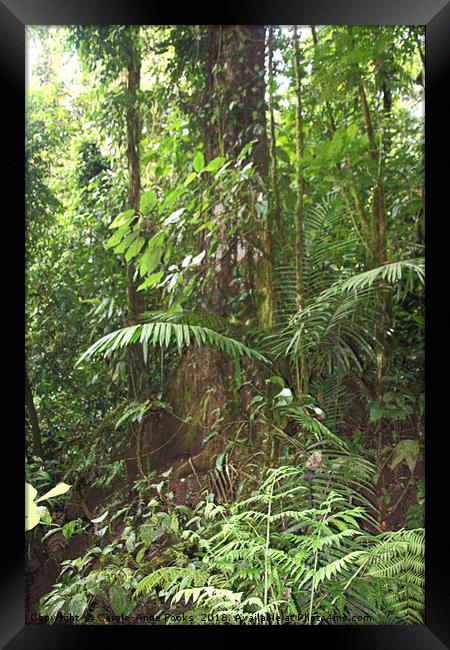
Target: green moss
(264,296)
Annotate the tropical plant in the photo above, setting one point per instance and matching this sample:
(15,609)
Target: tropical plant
(33,512)
(163,333)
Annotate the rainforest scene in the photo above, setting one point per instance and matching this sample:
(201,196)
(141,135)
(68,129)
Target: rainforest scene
(224,330)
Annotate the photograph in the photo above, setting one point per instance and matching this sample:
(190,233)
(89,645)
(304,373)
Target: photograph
(225,325)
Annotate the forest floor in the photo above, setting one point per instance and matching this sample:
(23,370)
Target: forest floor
(395,494)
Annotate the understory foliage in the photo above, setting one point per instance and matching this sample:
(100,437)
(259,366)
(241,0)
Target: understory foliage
(297,550)
(225,286)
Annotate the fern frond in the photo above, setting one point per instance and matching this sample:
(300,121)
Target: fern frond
(165,577)
(200,595)
(332,569)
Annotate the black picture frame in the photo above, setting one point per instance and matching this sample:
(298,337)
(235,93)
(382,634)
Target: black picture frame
(15,15)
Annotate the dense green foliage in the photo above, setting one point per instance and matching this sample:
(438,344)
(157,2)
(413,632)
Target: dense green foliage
(248,264)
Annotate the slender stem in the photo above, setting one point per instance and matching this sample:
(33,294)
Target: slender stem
(313,584)
(266,552)
(303,376)
(33,418)
(347,585)
(273,154)
(137,371)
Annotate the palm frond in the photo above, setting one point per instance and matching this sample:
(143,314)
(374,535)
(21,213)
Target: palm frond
(406,271)
(163,334)
(337,328)
(189,317)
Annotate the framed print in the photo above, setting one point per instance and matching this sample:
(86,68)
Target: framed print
(219,287)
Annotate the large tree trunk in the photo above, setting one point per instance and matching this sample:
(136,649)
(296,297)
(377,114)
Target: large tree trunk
(33,418)
(235,90)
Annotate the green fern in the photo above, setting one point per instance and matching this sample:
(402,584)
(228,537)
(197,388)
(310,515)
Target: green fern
(166,577)
(297,546)
(398,560)
(274,554)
